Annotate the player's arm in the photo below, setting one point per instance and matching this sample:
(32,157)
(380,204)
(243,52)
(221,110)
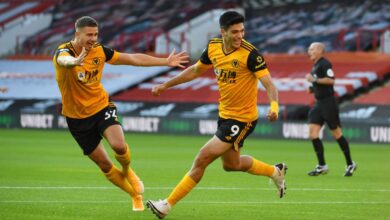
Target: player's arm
(324,81)
(269,86)
(272,93)
(66,60)
(139,59)
(186,75)
(328,75)
(257,65)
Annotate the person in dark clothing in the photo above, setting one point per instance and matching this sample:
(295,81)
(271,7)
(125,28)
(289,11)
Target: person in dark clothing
(325,110)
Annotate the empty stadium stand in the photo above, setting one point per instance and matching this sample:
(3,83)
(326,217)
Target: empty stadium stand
(379,96)
(343,25)
(126,25)
(273,26)
(11,11)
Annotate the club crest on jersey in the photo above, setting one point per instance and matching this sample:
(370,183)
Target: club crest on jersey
(235,63)
(81,76)
(95,61)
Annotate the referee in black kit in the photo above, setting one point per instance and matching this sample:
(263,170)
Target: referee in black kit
(325,110)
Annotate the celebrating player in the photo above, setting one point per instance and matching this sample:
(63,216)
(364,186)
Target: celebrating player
(90,114)
(238,66)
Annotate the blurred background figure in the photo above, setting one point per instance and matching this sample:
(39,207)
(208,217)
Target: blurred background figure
(326,110)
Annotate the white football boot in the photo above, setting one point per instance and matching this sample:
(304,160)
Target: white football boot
(278,178)
(320,169)
(160,208)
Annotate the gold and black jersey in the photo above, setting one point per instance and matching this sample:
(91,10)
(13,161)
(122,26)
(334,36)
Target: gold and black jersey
(81,89)
(237,74)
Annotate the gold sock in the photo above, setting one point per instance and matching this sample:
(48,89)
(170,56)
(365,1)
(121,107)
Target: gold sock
(124,159)
(181,190)
(132,178)
(116,177)
(261,168)
(132,174)
(135,181)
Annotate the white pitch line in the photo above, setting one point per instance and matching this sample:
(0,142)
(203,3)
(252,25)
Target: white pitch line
(198,188)
(209,202)
(289,202)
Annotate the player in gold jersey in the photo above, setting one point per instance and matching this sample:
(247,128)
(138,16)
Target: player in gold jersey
(238,67)
(85,104)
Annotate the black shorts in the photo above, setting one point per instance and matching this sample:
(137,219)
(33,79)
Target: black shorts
(88,132)
(325,110)
(233,131)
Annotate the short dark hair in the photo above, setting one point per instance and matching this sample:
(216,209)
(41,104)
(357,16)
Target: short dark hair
(85,21)
(229,18)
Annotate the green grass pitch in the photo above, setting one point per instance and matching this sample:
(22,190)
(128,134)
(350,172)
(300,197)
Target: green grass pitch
(43,175)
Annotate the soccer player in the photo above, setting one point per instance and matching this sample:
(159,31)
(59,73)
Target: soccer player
(89,113)
(325,110)
(238,66)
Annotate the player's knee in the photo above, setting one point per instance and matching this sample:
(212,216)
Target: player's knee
(313,135)
(119,146)
(336,132)
(336,135)
(314,131)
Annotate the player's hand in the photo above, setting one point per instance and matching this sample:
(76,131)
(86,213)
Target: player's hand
(273,111)
(309,78)
(178,59)
(157,90)
(272,116)
(80,59)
